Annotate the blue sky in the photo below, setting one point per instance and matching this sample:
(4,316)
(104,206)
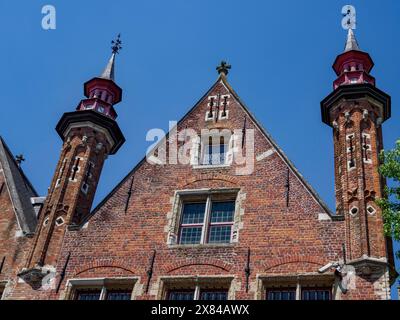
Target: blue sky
(281,54)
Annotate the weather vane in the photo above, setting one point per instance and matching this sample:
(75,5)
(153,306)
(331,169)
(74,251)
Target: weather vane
(116,44)
(349,17)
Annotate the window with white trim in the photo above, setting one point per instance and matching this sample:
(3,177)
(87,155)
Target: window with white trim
(101,289)
(193,294)
(208,221)
(307,287)
(202,288)
(215,151)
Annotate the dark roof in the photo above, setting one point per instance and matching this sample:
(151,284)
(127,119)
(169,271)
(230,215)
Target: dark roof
(20,189)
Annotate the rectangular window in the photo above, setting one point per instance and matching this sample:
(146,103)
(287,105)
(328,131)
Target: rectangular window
(316,294)
(281,294)
(102,289)
(192,222)
(215,153)
(88,294)
(207,222)
(119,294)
(186,295)
(181,295)
(214,295)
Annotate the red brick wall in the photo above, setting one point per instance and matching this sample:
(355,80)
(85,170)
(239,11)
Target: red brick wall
(13,245)
(283,240)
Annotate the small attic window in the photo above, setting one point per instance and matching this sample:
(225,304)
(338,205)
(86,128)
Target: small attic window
(215,153)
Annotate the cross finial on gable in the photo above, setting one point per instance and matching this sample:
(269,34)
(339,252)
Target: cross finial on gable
(19,159)
(223,68)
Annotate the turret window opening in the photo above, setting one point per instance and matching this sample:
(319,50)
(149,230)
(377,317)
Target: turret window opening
(61,172)
(350,151)
(75,169)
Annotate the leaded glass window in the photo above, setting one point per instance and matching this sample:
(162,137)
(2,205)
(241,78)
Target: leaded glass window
(281,294)
(88,294)
(315,294)
(207,222)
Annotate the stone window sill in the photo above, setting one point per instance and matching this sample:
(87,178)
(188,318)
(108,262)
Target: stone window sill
(218,166)
(201,246)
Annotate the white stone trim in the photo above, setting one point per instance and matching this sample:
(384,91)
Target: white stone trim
(208,118)
(60,223)
(265,154)
(93,126)
(73,284)
(220,117)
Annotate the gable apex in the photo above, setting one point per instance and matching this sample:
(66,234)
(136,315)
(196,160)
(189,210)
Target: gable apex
(222,79)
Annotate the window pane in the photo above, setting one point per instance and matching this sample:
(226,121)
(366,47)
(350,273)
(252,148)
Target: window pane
(316,294)
(220,234)
(119,294)
(193,213)
(190,235)
(214,154)
(289,294)
(181,295)
(88,294)
(222,211)
(214,295)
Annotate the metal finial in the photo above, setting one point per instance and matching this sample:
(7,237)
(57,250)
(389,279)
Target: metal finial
(223,68)
(116,44)
(19,159)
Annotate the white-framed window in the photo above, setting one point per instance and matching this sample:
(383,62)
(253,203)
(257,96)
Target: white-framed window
(302,287)
(59,221)
(75,169)
(101,289)
(214,151)
(196,288)
(206,221)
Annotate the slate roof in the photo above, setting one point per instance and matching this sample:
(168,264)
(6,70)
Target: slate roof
(351,43)
(20,189)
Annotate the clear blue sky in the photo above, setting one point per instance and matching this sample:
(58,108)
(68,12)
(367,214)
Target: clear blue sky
(281,54)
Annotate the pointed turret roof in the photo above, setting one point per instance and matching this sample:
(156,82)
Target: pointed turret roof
(351,43)
(20,189)
(108,72)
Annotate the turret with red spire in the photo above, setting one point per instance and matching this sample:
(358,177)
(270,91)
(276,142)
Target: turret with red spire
(89,135)
(356,110)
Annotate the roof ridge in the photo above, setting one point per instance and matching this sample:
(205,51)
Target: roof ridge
(26,179)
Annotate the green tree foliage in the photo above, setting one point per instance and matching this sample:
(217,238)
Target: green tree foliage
(390,203)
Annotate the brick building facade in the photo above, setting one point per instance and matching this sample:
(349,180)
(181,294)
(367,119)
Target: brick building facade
(233,220)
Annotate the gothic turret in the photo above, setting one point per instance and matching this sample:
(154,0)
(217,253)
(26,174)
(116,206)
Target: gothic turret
(89,135)
(356,110)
